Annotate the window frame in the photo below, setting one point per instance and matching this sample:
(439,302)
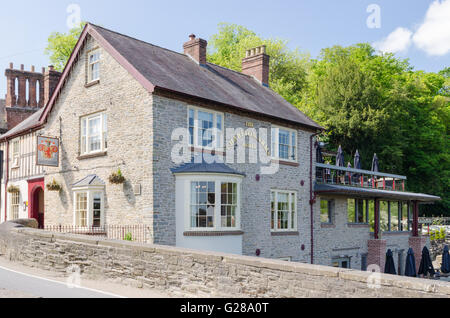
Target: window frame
(90,64)
(217,222)
(85,130)
(14,203)
(341,260)
(275,229)
(90,193)
(275,143)
(330,211)
(366,204)
(196,127)
(15,154)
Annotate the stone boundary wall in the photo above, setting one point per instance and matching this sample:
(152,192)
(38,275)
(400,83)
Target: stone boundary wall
(187,273)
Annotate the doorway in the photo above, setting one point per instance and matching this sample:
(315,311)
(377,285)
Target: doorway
(37,206)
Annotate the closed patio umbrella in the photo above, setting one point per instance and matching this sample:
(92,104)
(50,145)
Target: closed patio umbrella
(357,161)
(426,265)
(445,268)
(390,265)
(319,155)
(410,269)
(340,160)
(375,164)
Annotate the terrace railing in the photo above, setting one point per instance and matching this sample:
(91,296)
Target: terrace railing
(136,233)
(329,174)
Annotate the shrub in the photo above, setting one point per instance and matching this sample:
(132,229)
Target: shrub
(54,186)
(13,189)
(117,177)
(128,237)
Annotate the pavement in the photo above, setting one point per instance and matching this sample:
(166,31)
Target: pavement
(18,281)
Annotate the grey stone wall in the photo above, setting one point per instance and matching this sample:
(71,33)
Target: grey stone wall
(187,273)
(255,210)
(128,107)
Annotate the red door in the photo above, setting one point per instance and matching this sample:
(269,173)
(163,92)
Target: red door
(36,201)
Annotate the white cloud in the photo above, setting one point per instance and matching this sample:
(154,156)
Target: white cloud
(433,36)
(396,42)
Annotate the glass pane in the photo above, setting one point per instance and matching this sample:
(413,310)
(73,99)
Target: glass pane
(324,211)
(384,216)
(351,211)
(283,139)
(394,217)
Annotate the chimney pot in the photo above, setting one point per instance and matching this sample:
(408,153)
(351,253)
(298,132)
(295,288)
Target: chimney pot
(32,68)
(257,64)
(22,67)
(11,65)
(51,67)
(196,49)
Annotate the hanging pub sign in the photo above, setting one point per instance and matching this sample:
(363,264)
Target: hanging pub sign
(47,151)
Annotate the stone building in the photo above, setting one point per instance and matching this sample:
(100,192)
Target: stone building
(209,158)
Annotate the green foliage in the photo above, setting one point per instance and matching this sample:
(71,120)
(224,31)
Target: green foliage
(128,237)
(288,68)
(60,46)
(374,103)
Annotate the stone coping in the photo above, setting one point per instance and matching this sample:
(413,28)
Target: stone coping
(417,284)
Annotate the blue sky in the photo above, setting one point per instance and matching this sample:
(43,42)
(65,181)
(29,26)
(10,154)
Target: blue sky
(407,27)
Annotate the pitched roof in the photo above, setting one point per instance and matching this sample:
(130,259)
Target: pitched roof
(158,68)
(28,123)
(204,167)
(177,72)
(90,180)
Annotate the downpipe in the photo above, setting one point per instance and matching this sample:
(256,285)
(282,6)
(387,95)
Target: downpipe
(313,196)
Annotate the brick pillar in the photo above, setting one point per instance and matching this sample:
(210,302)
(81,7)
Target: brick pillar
(41,92)
(22,100)
(417,243)
(415,223)
(377,253)
(11,92)
(377,219)
(32,91)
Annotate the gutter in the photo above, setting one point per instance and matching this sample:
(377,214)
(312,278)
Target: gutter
(312,195)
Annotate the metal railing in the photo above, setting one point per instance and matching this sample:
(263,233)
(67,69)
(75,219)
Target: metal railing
(135,233)
(328,174)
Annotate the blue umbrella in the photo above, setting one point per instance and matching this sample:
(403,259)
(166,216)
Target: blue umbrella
(410,269)
(426,265)
(390,265)
(445,268)
(375,164)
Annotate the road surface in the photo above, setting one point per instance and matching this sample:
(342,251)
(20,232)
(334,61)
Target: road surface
(17,284)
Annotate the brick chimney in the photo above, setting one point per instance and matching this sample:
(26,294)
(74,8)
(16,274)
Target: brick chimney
(51,79)
(196,49)
(256,64)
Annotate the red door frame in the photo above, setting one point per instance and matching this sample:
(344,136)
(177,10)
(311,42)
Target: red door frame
(33,186)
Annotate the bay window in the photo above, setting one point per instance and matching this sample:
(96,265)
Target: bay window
(283,211)
(94,137)
(205,128)
(284,144)
(89,207)
(214,203)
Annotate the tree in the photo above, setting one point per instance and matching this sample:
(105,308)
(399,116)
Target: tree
(61,45)
(288,68)
(378,104)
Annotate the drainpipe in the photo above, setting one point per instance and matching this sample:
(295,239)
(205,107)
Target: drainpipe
(6,178)
(312,195)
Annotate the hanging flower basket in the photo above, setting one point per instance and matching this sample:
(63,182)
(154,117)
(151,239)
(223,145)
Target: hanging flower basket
(117,177)
(13,189)
(54,186)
